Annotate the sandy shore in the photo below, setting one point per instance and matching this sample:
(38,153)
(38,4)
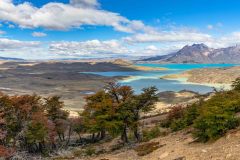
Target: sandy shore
(213,77)
(185,80)
(143,68)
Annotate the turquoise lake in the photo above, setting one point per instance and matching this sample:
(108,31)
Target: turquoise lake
(142,79)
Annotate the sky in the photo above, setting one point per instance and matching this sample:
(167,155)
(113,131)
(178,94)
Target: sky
(53,29)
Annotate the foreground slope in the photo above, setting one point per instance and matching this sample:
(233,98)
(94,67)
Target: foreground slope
(180,146)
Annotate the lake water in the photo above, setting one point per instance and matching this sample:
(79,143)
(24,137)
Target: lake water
(142,79)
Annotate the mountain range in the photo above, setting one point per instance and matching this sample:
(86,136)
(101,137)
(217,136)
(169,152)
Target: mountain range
(11,59)
(200,53)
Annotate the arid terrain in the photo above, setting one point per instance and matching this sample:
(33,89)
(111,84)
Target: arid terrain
(66,80)
(217,76)
(56,78)
(59,78)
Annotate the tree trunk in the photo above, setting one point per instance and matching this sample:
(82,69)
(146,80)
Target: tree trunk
(80,138)
(40,147)
(137,134)
(93,137)
(69,135)
(136,128)
(63,136)
(98,136)
(59,136)
(124,136)
(103,134)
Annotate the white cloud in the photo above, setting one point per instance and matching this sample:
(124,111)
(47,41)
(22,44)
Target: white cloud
(60,16)
(2,32)
(11,26)
(9,44)
(24,49)
(39,34)
(210,27)
(152,47)
(88,48)
(150,50)
(219,24)
(214,26)
(168,36)
(84,3)
(109,48)
(226,40)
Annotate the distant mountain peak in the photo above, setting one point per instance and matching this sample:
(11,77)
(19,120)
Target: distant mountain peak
(201,53)
(195,47)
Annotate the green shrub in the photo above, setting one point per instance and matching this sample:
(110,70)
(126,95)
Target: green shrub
(175,113)
(217,116)
(147,148)
(177,125)
(210,119)
(78,153)
(236,84)
(152,133)
(90,151)
(190,113)
(179,118)
(213,126)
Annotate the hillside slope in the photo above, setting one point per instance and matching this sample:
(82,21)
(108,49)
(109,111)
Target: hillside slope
(180,146)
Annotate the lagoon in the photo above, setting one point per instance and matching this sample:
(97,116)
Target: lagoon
(142,79)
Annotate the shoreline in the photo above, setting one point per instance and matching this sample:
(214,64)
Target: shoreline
(184,79)
(144,68)
(224,86)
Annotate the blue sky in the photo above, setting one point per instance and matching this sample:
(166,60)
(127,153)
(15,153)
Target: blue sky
(34,29)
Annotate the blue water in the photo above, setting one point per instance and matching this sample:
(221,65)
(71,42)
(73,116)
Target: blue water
(142,79)
(187,66)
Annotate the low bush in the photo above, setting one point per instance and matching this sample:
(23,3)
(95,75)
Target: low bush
(152,133)
(179,118)
(175,113)
(189,114)
(147,148)
(78,152)
(117,146)
(213,126)
(89,151)
(217,116)
(210,119)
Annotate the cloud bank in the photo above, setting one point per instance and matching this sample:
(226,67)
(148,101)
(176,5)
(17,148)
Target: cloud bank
(60,16)
(141,39)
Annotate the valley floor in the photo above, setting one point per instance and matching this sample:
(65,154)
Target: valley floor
(61,78)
